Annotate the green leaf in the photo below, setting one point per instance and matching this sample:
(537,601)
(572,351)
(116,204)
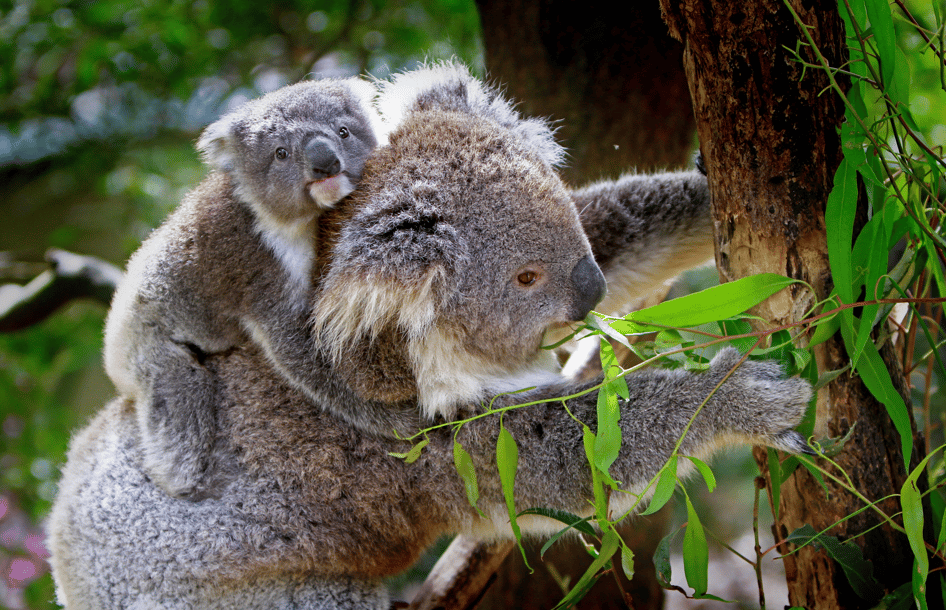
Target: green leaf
(739,326)
(609,329)
(610,541)
(571,520)
(881,23)
(801,358)
(839,225)
(662,561)
(601,500)
(507,461)
(695,553)
(824,330)
(859,571)
(627,562)
(608,438)
(581,525)
(665,486)
(716,303)
(776,478)
(464,466)
(411,456)
(704,470)
(912,504)
(876,377)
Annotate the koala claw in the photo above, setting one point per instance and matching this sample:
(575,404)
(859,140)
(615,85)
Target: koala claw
(790,441)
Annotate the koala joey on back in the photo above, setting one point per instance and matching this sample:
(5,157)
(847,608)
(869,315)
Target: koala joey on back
(232,264)
(459,250)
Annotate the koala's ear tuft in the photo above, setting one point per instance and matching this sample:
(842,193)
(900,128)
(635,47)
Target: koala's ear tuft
(449,86)
(404,234)
(395,263)
(217,143)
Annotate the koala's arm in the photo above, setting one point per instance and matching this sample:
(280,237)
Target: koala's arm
(755,405)
(645,230)
(158,332)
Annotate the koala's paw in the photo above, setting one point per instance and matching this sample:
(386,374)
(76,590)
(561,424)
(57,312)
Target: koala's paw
(762,404)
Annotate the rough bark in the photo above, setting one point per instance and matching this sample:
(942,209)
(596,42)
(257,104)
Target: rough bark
(615,86)
(770,141)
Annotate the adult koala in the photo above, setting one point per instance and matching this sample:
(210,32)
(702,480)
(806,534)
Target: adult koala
(439,279)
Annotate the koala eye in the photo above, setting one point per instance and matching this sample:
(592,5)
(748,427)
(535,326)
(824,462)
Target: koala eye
(527,278)
(282,153)
(343,132)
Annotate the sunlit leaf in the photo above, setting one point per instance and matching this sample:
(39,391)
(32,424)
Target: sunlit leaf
(716,303)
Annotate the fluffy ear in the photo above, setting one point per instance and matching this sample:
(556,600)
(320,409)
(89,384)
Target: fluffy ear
(450,86)
(366,92)
(217,143)
(395,263)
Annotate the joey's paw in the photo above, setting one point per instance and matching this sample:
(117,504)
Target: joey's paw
(760,403)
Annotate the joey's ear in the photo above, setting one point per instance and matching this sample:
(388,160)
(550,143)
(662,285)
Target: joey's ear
(217,143)
(395,263)
(449,86)
(366,92)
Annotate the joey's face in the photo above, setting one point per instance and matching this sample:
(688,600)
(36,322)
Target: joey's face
(299,149)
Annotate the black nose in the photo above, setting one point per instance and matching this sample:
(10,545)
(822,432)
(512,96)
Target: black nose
(322,158)
(590,287)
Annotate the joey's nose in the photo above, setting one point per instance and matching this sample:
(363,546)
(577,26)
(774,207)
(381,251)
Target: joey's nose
(322,158)
(590,287)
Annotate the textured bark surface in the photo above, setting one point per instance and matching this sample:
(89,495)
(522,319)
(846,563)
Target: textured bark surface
(771,148)
(613,82)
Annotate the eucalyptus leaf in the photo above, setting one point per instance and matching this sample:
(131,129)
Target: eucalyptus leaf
(665,486)
(627,562)
(573,521)
(712,304)
(610,541)
(704,470)
(859,571)
(464,466)
(695,553)
(507,461)
(411,456)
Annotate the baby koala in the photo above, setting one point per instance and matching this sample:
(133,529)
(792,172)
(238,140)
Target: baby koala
(232,264)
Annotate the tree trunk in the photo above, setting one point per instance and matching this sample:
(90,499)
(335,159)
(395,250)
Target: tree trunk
(616,87)
(615,81)
(771,147)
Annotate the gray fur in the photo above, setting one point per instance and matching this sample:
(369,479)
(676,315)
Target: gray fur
(233,264)
(445,220)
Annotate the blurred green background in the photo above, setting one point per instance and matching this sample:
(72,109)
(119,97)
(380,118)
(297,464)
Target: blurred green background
(100,103)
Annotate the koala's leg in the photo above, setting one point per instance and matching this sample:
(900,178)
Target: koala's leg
(755,405)
(177,420)
(645,230)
